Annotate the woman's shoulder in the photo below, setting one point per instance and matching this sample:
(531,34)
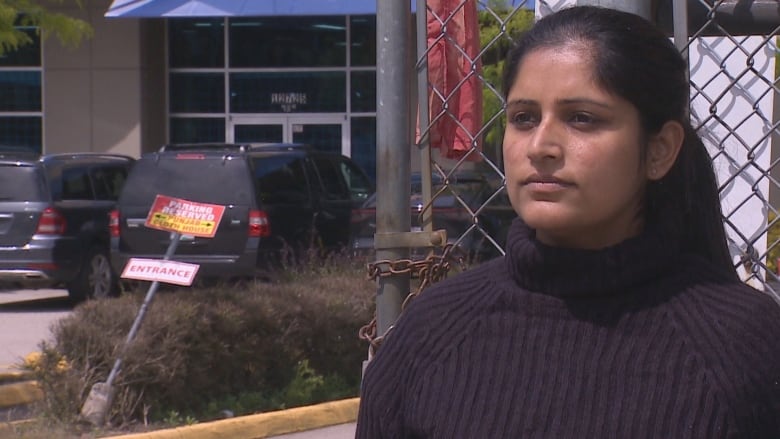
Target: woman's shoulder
(457,298)
(431,319)
(723,291)
(727,314)
(469,287)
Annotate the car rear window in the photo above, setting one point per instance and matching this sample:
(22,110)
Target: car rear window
(280,178)
(21,183)
(194,177)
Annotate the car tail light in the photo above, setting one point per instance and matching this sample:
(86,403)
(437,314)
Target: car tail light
(51,223)
(259,226)
(113,223)
(360,215)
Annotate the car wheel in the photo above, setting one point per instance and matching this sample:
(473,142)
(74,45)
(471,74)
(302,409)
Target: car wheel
(96,280)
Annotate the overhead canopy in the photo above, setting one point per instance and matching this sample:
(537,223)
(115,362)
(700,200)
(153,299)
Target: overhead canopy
(230,8)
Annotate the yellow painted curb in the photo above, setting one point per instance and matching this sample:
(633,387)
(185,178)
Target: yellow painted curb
(9,428)
(263,425)
(21,393)
(13,375)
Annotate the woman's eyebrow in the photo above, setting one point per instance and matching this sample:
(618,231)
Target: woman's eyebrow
(567,101)
(571,101)
(521,102)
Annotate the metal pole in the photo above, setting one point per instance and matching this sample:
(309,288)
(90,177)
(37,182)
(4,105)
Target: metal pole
(175,237)
(680,21)
(639,7)
(423,112)
(394,138)
(101,395)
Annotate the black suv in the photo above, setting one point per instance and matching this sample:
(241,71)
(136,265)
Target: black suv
(54,220)
(276,196)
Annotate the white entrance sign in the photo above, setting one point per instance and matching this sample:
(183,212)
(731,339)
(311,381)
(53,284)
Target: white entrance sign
(172,272)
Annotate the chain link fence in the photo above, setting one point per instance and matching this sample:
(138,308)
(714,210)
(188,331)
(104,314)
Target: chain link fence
(732,49)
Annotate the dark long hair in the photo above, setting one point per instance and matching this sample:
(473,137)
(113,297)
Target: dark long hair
(634,60)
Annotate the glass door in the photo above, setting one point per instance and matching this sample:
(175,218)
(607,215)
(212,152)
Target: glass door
(325,133)
(257,133)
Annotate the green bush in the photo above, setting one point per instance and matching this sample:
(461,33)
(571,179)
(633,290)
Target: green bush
(202,352)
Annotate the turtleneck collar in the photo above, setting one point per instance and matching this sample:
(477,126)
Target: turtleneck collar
(571,273)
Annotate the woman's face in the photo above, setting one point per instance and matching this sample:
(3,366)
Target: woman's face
(572,153)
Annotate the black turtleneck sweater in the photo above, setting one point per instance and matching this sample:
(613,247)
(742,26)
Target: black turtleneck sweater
(633,341)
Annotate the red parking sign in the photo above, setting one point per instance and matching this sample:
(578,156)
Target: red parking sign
(184,216)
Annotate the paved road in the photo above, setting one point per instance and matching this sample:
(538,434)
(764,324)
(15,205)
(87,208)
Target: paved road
(25,320)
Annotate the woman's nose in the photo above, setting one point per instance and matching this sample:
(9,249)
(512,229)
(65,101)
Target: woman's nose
(546,143)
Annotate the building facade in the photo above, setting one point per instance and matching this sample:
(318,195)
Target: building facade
(141,82)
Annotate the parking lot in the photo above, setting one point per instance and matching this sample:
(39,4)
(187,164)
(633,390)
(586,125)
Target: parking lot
(25,319)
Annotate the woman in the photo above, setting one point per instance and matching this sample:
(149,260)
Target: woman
(616,312)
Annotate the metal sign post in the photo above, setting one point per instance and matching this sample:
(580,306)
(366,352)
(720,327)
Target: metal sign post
(101,395)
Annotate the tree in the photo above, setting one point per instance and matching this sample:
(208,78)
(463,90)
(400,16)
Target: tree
(16,15)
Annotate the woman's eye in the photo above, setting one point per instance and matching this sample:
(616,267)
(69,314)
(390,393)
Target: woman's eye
(583,119)
(522,119)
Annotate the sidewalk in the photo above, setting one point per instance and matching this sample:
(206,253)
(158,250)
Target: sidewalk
(342,431)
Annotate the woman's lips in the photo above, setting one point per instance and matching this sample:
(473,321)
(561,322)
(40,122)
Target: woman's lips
(546,179)
(540,183)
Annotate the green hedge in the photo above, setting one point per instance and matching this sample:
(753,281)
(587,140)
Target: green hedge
(201,353)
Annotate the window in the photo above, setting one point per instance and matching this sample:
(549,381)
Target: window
(281,180)
(196,42)
(76,185)
(363,140)
(288,42)
(20,92)
(24,131)
(359,186)
(20,183)
(285,92)
(197,129)
(197,93)
(330,179)
(28,55)
(363,40)
(272,65)
(258,133)
(108,182)
(363,90)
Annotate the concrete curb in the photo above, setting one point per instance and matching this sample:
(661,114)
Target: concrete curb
(9,375)
(16,389)
(21,393)
(263,425)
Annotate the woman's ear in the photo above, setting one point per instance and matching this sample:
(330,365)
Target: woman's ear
(663,149)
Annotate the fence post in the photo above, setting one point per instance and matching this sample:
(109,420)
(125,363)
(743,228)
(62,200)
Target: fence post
(680,20)
(423,115)
(394,141)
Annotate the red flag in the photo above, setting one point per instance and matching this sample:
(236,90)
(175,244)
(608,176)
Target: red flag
(454,89)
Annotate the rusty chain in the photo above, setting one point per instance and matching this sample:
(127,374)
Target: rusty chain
(428,271)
